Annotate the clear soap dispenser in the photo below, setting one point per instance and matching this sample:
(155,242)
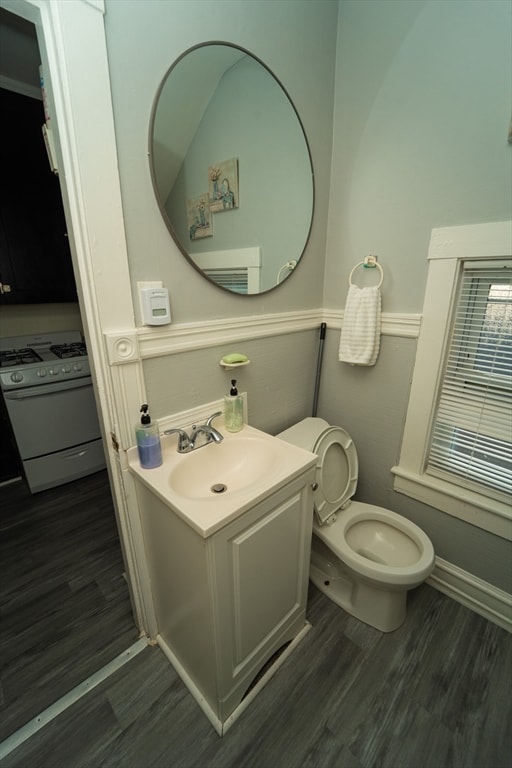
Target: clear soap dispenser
(233,409)
(148,441)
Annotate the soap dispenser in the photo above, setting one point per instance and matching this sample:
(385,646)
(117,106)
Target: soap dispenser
(148,441)
(233,409)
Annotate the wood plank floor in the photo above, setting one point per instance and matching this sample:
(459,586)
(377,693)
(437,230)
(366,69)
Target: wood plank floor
(433,694)
(64,603)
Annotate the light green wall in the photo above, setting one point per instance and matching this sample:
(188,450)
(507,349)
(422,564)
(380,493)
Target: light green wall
(422,110)
(371,405)
(279,381)
(297,41)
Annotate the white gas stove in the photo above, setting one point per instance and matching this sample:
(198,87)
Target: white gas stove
(27,361)
(46,384)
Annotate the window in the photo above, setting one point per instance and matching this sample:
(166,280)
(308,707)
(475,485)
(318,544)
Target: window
(456,451)
(238,269)
(233,279)
(472,430)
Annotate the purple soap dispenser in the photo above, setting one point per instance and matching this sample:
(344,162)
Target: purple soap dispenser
(148,441)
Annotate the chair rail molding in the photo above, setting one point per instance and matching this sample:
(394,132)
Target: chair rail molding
(184,337)
(392,323)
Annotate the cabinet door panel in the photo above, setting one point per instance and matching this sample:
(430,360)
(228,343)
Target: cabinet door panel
(260,575)
(265,562)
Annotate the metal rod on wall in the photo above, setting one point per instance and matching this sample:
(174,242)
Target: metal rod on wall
(319,367)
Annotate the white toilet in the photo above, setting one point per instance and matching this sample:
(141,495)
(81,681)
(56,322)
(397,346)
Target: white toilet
(364,558)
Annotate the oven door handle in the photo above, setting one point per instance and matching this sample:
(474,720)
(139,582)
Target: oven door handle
(46,389)
(75,454)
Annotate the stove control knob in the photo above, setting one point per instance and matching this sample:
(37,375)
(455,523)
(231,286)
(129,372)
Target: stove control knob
(53,371)
(42,372)
(16,377)
(66,368)
(77,366)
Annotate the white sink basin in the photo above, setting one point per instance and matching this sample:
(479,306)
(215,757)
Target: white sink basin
(232,466)
(216,483)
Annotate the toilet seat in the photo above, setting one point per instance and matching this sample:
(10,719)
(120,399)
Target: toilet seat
(394,574)
(366,558)
(336,466)
(336,472)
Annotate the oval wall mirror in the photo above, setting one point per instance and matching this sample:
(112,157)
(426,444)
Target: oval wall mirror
(231,168)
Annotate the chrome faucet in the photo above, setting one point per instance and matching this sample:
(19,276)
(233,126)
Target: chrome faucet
(211,435)
(184,439)
(199,436)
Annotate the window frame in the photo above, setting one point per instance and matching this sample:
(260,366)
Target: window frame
(467,380)
(449,247)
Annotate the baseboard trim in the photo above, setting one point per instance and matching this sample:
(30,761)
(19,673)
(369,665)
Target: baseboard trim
(222,726)
(481,597)
(10,481)
(17,738)
(190,684)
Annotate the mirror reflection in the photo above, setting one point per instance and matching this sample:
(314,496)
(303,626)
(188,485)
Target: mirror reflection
(231,168)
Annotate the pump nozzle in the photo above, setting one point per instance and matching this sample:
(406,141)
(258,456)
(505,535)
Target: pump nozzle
(145,418)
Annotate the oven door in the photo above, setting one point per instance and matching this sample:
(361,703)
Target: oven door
(52,417)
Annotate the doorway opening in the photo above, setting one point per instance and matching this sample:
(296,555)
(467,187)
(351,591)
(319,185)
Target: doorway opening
(66,603)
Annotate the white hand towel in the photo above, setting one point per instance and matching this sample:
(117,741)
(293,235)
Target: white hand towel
(360,331)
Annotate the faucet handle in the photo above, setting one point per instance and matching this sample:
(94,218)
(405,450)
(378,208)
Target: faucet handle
(212,417)
(184,439)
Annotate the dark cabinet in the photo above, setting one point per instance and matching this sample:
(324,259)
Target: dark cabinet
(35,259)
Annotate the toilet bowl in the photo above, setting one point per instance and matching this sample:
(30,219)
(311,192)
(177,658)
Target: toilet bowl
(363,557)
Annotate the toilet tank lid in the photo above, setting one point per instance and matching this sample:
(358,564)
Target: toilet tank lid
(305,433)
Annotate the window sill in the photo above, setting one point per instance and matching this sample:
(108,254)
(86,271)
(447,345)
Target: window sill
(489,514)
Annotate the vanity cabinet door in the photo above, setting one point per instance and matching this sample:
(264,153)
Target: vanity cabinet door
(261,576)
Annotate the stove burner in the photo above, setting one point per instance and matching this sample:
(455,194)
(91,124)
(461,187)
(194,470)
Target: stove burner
(11,357)
(76,349)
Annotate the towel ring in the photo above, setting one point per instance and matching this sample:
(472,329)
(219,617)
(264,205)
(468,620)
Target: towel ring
(369,263)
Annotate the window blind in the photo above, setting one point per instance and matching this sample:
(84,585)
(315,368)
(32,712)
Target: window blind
(472,427)
(236,279)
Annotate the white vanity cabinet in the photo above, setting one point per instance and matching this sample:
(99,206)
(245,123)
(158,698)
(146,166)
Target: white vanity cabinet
(227,602)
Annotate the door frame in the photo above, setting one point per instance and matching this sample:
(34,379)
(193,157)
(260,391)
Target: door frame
(71,38)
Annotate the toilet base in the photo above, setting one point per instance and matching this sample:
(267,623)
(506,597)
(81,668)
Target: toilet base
(382,609)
